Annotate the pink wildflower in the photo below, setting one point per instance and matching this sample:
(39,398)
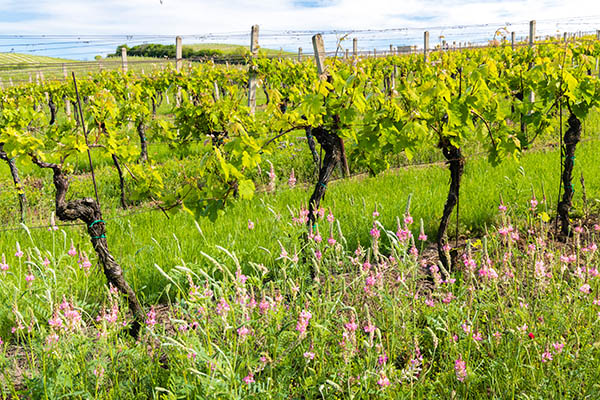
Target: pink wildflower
(250,225)
(558,347)
(263,306)
(72,251)
(375,233)
(309,355)
(292,179)
(534,203)
(585,288)
(460,368)
(3,264)
(370,328)
(330,217)
(303,320)
(546,356)
(248,379)
(243,331)
(223,307)
(383,381)
(19,253)
(151,320)
(351,326)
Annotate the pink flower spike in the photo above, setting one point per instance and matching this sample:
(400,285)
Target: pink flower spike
(460,368)
(19,253)
(292,179)
(370,328)
(534,203)
(375,233)
(3,264)
(558,347)
(250,225)
(383,381)
(248,379)
(585,288)
(309,355)
(243,331)
(502,207)
(330,217)
(546,356)
(72,251)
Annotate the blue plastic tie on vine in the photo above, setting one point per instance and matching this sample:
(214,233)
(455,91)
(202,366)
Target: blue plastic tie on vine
(99,237)
(322,184)
(96,221)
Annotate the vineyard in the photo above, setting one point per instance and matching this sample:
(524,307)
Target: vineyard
(338,227)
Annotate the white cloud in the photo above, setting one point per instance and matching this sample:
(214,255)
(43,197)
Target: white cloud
(190,17)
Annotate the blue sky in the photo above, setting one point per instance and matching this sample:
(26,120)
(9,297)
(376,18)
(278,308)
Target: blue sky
(193,17)
(204,16)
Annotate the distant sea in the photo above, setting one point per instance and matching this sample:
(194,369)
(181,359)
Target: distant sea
(86,47)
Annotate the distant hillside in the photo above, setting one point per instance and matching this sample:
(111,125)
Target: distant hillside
(192,50)
(26,59)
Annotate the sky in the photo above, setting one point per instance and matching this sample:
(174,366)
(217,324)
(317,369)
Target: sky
(231,20)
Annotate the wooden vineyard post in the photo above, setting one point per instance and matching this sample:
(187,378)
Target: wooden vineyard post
(374,53)
(531,45)
(216,91)
(253,81)
(597,34)
(425,45)
(178,53)
(512,40)
(124,59)
(178,65)
(319,50)
(67,101)
(355,48)
(531,33)
(391,49)
(346,54)
(299,54)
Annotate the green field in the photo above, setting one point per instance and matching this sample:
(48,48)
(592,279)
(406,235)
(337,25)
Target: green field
(257,304)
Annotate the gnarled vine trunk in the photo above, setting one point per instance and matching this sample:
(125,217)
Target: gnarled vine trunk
(141,129)
(88,211)
(330,143)
(570,140)
(456,164)
(310,139)
(16,180)
(121,180)
(52,108)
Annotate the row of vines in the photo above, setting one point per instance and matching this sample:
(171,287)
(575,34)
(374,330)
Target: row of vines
(365,110)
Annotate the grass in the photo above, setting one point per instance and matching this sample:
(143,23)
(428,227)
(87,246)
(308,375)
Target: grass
(366,326)
(142,240)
